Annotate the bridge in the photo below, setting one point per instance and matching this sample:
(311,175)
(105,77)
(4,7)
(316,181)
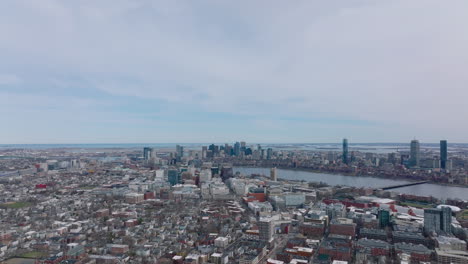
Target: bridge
(403,185)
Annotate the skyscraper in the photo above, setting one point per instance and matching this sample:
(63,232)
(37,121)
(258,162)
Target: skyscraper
(269,153)
(436,220)
(147,153)
(273,174)
(179,152)
(432,218)
(243,144)
(443,154)
(237,149)
(446,221)
(414,153)
(266,229)
(173,176)
(226,172)
(204,151)
(345,151)
(384,218)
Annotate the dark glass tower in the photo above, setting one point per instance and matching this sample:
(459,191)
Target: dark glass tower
(443,154)
(237,149)
(345,151)
(414,153)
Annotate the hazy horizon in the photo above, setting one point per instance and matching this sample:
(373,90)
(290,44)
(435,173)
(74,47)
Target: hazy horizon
(229,142)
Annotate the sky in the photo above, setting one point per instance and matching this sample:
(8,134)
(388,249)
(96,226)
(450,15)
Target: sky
(134,71)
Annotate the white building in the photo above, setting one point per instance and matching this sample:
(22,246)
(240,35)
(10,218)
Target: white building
(266,228)
(273,174)
(259,208)
(205,175)
(221,242)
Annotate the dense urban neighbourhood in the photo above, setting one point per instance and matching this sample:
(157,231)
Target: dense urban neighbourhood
(181,206)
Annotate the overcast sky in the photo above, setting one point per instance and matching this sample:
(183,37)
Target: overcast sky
(133,71)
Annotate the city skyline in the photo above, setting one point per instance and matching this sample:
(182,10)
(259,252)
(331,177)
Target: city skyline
(124,71)
(338,143)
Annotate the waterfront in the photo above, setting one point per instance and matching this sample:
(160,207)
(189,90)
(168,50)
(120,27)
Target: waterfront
(438,191)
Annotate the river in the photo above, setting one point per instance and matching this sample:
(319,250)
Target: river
(438,191)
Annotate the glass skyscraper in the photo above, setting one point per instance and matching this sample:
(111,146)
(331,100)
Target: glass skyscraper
(443,154)
(345,151)
(438,219)
(414,153)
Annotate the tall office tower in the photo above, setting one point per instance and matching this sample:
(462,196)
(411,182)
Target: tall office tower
(446,221)
(173,177)
(345,151)
(384,218)
(432,218)
(243,144)
(228,150)
(414,153)
(204,151)
(392,158)
(214,150)
(179,152)
(266,229)
(269,153)
(443,154)
(147,153)
(248,151)
(237,148)
(226,172)
(436,220)
(273,174)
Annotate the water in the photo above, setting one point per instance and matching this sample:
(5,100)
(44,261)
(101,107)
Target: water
(438,191)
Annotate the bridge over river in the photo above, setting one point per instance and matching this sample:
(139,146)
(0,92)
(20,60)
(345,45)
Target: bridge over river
(403,185)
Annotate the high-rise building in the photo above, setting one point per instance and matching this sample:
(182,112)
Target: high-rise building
(384,218)
(273,174)
(392,158)
(414,153)
(432,218)
(269,154)
(179,152)
(438,219)
(345,151)
(204,151)
(443,154)
(446,221)
(226,172)
(237,149)
(266,229)
(173,176)
(147,153)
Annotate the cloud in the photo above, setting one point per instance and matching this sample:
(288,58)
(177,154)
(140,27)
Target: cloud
(378,70)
